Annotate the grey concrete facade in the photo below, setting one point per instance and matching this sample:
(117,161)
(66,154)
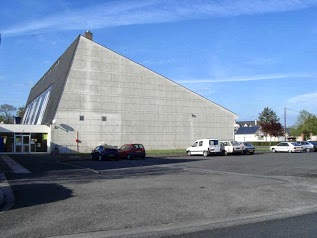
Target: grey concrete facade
(120,101)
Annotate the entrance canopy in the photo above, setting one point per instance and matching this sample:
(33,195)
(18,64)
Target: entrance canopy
(17,138)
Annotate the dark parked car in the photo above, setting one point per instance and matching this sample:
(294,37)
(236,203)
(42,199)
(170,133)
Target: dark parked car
(314,144)
(102,152)
(248,148)
(131,151)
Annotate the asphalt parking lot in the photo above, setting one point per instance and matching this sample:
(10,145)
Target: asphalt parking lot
(270,164)
(162,195)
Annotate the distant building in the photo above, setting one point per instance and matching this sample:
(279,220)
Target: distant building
(92,95)
(251,131)
(247,123)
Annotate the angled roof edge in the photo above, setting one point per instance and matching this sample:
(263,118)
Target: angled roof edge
(55,76)
(236,116)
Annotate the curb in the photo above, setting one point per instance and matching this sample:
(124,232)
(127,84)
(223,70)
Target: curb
(2,201)
(7,198)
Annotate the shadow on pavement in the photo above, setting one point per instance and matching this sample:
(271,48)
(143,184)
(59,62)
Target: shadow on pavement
(28,195)
(49,168)
(138,172)
(122,164)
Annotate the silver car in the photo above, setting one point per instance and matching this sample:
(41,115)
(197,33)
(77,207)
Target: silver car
(307,146)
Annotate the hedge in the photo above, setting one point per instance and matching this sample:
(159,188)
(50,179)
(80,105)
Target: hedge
(265,143)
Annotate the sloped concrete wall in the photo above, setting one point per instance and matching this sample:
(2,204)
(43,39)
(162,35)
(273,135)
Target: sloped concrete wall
(139,105)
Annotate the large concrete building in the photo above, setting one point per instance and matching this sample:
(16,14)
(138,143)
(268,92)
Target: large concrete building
(92,95)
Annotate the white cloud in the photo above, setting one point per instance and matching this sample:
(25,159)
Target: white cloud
(121,13)
(304,99)
(246,78)
(304,102)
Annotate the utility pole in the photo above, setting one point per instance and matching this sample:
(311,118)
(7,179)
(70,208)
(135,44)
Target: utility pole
(285,119)
(285,122)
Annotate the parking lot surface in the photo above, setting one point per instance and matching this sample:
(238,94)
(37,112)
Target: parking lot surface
(165,195)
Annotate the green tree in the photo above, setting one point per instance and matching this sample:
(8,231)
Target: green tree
(269,123)
(20,111)
(305,125)
(6,113)
(268,115)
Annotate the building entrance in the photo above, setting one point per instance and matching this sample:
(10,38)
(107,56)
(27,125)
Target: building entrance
(24,139)
(22,143)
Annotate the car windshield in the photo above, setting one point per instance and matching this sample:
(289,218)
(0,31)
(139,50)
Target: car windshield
(235,143)
(123,147)
(213,142)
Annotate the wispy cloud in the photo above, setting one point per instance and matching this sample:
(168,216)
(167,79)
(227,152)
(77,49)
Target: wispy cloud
(304,102)
(304,99)
(246,78)
(121,13)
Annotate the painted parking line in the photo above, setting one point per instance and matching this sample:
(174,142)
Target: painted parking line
(14,166)
(77,166)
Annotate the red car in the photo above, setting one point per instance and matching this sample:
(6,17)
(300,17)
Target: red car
(131,151)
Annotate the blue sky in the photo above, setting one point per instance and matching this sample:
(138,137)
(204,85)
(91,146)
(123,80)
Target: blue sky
(243,55)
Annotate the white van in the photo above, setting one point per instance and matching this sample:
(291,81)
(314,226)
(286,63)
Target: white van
(231,147)
(204,147)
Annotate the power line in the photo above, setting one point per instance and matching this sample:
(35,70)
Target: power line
(291,109)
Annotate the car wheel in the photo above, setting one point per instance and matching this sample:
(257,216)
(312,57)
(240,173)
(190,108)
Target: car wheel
(129,157)
(189,153)
(289,151)
(91,157)
(273,150)
(205,153)
(100,157)
(225,153)
(251,153)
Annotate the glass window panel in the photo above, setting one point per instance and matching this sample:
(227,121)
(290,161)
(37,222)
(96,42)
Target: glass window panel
(32,115)
(26,148)
(39,106)
(18,139)
(43,107)
(18,149)
(35,110)
(27,111)
(30,108)
(26,139)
